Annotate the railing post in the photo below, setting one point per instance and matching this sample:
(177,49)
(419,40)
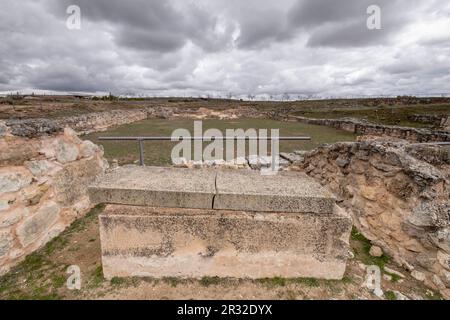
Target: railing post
(141,153)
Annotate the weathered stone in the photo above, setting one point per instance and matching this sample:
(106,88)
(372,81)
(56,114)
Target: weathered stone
(33,194)
(88,149)
(426,260)
(3,129)
(4,205)
(438,282)
(283,192)
(369,193)
(72,181)
(40,167)
(158,187)
(158,242)
(36,225)
(430,214)
(32,127)
(6,242)
(14,151)
(66,152)
(13,179)
(294,158)
(375,251)
(342,161)
(419,276)
(444,259)
(8,219)
(441,239)
(445,277)
(72,136)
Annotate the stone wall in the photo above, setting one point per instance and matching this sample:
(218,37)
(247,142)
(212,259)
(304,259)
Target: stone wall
(365,128)
(398,195)
(43,182)
(435,120)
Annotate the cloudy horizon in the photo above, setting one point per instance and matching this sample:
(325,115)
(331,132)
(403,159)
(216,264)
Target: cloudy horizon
(218,47)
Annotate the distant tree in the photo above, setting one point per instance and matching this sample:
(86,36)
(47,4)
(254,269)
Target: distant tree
(285,97)
(229,95)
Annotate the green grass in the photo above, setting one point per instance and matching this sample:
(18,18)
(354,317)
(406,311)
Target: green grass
(159,152)
(309,282)
(211,281)
(116,281)
(273,282)
(395,277)
(363,248)
(96,277)
(172,281)
(390,295)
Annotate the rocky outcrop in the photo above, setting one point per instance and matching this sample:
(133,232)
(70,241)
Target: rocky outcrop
(398,195)
(43,182)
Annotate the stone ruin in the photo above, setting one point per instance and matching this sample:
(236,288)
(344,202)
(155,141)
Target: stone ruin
(175,222)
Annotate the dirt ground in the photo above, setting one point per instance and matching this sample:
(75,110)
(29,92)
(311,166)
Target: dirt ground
(43,275)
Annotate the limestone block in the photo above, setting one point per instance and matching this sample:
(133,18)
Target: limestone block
(88,149)
(444,259)
(283,192)
(4,205)
(193,243)
(10,218)
(40,167)
(14,151)
(158,187)
(66,152)
(71,182)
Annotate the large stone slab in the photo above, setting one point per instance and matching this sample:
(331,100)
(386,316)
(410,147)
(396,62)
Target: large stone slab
(208,188)
(284,192)
(192,243)
(156,187)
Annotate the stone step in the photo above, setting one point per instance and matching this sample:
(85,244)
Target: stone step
(194,243)
(156,187)
(286,191)
(212,189)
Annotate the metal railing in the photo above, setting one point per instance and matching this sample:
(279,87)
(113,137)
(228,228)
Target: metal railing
(141,140)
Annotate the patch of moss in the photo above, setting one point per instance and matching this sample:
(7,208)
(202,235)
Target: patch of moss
(309,282)
(58,281)
(96,278)
(210,281)
(431,295)
(172,281)
(390,295)
(55,244)
(116,281)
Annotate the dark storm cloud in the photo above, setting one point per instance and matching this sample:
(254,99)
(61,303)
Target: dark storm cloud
(154,25)
(197,47)
(333,23)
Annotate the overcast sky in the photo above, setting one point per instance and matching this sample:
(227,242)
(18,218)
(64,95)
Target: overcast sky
(192,47)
